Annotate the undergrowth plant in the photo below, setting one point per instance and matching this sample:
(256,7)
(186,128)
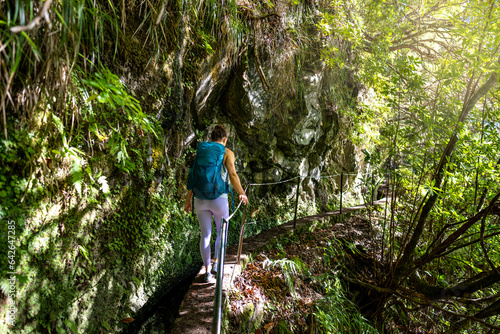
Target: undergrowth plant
(289,268)
(337,313)
(113,115)
(299,282)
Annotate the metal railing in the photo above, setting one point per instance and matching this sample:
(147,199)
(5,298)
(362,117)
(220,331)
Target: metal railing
(217,318)
(301,178)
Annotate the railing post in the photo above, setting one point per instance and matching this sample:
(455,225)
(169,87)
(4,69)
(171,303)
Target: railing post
(341,189)
(217,320)
(242,230)
(296,203)
(192,206)
(373,188)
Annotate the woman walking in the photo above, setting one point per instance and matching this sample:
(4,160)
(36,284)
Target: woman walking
(203,191)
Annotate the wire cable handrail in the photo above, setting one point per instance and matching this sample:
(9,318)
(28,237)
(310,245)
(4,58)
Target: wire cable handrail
(234,212)
(306,177)
(217,319)
(274,183)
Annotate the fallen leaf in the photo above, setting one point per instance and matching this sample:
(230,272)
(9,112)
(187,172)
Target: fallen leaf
(269,326)
(128,320)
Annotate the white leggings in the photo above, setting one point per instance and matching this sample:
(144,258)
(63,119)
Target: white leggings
(205,209)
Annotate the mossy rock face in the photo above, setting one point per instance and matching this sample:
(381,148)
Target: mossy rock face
(281,131)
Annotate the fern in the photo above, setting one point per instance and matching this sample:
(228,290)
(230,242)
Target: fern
(104,184)
(77,175)
(289,268)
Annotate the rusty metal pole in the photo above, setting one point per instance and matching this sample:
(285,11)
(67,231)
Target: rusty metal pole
(242,230)
(373,188)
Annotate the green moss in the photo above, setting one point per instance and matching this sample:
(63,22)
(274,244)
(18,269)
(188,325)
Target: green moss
(251,318)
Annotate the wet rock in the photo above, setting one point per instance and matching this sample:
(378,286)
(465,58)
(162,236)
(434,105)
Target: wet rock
(281,139)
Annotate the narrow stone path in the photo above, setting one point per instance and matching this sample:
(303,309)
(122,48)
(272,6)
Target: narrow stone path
(197,308)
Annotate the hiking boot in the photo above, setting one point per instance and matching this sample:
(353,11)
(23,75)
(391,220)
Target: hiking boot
(209,278)
(214,268)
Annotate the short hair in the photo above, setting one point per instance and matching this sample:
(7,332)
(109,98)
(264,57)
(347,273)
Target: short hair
(218,133)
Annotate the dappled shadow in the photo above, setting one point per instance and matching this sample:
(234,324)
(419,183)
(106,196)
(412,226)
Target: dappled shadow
(84,273)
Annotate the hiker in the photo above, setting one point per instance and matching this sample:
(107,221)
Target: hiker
(208,182)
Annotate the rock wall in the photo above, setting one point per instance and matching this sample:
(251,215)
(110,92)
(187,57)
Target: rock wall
(276,132)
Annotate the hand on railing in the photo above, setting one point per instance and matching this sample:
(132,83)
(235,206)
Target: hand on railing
(244,199)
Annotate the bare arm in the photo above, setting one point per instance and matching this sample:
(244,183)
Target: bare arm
(233,176)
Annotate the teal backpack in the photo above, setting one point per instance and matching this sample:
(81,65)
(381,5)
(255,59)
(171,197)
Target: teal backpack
(205,176)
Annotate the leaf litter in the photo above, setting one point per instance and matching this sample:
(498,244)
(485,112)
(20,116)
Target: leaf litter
(284,282)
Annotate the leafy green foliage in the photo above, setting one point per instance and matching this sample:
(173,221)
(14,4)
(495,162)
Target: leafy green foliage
(336,313)
(289,268)
(433,82)
(117,105)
